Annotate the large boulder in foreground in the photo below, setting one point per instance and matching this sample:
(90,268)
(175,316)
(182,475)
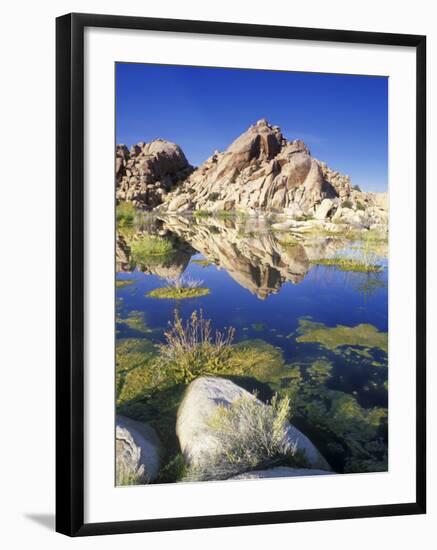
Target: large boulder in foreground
(281,471)
(137,452)
(196,437)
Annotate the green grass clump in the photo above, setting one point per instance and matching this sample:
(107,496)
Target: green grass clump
(365,335)
(122,283)
(191,350)
(224,214)
(180,293)
(202,213)
(150,245)
(349,264)
(202,263)
(125,214)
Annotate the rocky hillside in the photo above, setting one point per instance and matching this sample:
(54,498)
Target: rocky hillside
(261,171)
(146,172)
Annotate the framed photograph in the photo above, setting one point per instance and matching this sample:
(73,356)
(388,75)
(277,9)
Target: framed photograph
(240,274)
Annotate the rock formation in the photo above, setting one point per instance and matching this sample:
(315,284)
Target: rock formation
(137,452)
(197,438)
(257,258)
(259,172)
(146,173)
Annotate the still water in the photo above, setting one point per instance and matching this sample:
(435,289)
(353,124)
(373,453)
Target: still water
(323,328)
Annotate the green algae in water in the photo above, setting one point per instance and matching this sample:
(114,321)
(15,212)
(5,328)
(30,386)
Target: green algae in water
(364,335)
(258,327)
(202,263)
(348,264)
(122,283)
(180,293)
(320,371)
(131,353)
(133,372)
(134,321)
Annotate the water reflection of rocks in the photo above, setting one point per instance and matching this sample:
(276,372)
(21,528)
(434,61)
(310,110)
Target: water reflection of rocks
(256,257)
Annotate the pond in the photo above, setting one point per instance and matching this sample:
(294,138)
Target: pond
(309,317)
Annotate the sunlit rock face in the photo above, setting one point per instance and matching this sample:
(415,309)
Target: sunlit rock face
(146,172)
(260,170)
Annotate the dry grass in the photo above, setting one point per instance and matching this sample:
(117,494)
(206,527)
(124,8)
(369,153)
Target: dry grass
(191,348)
(250,435)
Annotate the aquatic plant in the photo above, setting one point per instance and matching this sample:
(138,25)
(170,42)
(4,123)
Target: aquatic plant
(150,245)
(320,371)
(258,327)
(183,282)
(202,263)
(202,213)
(180,293)
(135,321)
(224,214)
(191,349)
(349,264)
(122,283)
(250,435)
(179,288)
(125,214)
(135,374)
(364,335)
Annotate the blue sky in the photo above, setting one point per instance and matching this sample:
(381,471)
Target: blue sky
(342,118)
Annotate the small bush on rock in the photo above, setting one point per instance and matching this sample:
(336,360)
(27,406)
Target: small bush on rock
(250,435)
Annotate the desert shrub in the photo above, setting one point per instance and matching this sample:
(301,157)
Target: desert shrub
(356,188)
(149,245)
(359,205)
(174,470)
(125,214)
(346,204)
(213,196)
(191,349)
(250,435)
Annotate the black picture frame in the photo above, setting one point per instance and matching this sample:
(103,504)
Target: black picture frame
(70,273)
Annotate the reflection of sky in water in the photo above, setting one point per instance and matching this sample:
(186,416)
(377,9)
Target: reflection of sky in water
(326,294)
(323,294)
